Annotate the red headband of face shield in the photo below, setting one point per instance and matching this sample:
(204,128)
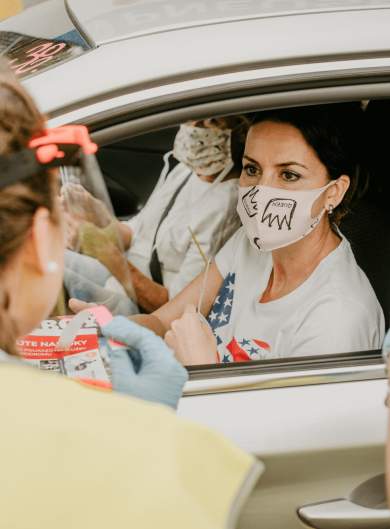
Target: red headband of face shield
(61,146)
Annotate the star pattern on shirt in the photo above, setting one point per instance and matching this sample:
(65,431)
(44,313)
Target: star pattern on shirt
(240,349)
(223,304)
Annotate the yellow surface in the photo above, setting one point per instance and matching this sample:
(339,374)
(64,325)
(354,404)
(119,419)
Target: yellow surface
(74,457)
(8,8)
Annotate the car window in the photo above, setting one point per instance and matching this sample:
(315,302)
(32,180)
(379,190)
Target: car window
(136,172)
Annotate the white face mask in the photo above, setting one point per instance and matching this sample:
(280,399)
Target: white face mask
(274,218)
(207,151)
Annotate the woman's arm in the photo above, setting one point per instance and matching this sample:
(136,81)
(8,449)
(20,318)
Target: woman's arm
(149,294)
(160,320)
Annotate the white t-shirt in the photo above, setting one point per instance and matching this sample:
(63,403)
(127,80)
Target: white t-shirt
(210,211)
(334,311)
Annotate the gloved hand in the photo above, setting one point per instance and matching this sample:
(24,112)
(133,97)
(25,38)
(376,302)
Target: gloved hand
(83,206)
(160,377)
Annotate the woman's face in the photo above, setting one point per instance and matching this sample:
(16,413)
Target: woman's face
(277,155)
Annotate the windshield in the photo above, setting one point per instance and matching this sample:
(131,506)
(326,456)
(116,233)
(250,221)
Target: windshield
(40,37)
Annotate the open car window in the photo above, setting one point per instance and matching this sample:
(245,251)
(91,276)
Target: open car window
(367,216)
(141,182)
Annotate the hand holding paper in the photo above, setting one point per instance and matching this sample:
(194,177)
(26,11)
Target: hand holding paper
(192,339)
(160,378)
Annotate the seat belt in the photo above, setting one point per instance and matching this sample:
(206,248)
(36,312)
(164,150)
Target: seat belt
(154,263)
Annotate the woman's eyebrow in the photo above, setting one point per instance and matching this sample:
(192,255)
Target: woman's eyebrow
(285,164)
(250,159)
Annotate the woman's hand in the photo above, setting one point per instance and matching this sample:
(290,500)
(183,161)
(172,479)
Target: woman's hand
(146,368)
(192,339)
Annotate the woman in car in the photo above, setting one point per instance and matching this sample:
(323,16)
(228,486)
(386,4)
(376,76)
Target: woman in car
(72,455)
(287,283)
(187,219)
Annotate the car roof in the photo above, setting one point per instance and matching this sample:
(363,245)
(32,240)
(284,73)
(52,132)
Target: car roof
(111,20)
(163,58)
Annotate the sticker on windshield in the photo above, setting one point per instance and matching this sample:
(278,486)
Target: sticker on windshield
(28,55)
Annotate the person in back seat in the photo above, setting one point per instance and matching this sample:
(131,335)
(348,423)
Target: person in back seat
(197,195)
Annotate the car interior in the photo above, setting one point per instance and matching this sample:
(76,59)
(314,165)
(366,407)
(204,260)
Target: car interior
(131,168)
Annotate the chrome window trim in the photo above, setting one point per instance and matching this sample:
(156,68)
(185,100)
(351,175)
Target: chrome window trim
(283,365)
(281,76)
(144,121)
(312,377)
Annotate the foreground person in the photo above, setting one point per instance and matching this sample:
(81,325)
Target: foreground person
(74,456)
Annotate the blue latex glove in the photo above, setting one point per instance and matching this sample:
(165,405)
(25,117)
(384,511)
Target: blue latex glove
(84,289)
(147,369)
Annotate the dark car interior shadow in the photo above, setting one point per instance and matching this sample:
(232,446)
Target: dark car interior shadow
(132,167)
(367,225)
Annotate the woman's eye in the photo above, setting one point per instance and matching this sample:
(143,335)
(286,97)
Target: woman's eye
(250,170)
(289,176)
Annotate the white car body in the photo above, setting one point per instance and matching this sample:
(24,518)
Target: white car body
(318,424)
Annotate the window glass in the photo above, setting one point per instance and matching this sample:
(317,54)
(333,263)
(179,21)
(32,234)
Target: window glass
(38,38)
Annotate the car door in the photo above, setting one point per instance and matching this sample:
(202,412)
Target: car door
(317,423)
(318,426)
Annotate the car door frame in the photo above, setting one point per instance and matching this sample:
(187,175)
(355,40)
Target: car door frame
(292,85)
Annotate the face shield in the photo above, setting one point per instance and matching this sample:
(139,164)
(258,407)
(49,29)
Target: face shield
(96,268)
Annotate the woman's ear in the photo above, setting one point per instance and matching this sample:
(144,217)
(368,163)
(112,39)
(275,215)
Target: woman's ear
(37,249)
(336,192)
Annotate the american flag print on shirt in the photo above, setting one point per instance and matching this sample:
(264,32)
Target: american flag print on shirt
(238,349)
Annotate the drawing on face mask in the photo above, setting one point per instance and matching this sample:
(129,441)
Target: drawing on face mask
(280,210)
(314,224)
(249,202)
(257,242)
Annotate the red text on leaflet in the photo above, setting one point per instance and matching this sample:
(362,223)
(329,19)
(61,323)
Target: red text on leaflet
(45,347)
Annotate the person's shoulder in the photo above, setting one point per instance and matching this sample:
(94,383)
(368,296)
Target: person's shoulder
(223,194)
(177,174)
(342,288)
(346,276)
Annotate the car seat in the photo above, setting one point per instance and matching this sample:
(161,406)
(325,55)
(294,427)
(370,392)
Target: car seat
(367,225)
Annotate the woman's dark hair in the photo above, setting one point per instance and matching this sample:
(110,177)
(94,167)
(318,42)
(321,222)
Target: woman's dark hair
(335,132)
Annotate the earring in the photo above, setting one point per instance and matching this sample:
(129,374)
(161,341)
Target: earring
(51,267)
(330,209)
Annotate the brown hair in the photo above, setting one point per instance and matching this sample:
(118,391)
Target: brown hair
(19,121)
